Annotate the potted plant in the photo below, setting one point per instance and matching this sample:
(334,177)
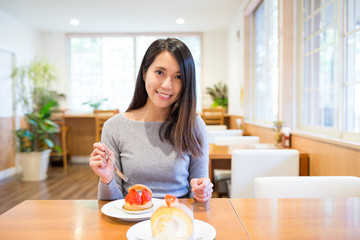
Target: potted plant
(36,140)
(277,135)
(95,104)
(218,94)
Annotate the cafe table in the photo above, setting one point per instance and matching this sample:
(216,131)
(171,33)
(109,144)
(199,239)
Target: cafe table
(326,218)
(83,219)
(220,158)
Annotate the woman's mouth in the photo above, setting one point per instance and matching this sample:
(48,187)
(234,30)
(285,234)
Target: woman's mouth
(163,96)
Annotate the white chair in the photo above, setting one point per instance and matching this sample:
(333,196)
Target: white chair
(236,140)
(215,127)
(246,165)
(307,187)
(229,137)
(212,134)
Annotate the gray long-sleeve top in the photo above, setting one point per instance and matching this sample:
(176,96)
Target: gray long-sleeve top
(145,159)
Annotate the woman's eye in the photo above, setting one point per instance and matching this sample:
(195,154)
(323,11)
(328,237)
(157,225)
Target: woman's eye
(178,77)
(159,72)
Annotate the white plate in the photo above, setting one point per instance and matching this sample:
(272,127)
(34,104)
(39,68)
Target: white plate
(142,230)
(114,209)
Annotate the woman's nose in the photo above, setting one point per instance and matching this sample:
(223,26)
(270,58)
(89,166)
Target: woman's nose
(167,83)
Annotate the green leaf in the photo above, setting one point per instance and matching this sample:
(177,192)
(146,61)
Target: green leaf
(58,149)
(49,143)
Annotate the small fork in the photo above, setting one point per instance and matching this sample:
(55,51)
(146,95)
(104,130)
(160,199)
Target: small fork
(118,172)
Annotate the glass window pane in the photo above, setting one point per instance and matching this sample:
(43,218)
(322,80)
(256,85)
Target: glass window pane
(307,72)
(306,117)
(316,42)
(352,14)
(357,14)
(307,28)
(317,22)
(328,107)
(352,80)
(327,70)
(307,8)
(328,36)
(352,58)
(259,18)
(307,46)
(328,15)
(317,4)
(266,54)
(352,111)
(316,68)
(316,111)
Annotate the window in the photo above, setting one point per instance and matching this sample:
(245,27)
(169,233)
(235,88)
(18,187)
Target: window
(320,66)
(106,67)
(330,67)
(265,61)
(352,66)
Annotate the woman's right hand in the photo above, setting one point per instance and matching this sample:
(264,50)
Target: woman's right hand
(100,162)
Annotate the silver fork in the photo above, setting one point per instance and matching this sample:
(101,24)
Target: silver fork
(118,172)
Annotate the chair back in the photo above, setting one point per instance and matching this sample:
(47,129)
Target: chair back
(236,140)
(213,116)
(213,134)
(307,187)
(63,136)
(248,164)
(100,118)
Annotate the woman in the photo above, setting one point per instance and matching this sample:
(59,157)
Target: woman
(159,141)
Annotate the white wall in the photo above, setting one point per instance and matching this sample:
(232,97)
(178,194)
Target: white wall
(24,44)
(215,62)
(54,51)
(19,38)
(236,61)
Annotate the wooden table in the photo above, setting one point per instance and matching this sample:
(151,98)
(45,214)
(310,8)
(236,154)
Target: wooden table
(220,158)
(83,219)
(300,218)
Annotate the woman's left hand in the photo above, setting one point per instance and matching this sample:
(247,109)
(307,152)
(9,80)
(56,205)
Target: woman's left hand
(202,189)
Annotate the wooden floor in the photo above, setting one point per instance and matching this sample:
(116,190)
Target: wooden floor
(80,182)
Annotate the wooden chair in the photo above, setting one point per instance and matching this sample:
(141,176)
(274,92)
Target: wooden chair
(213,116)
(100,118)
(64,138)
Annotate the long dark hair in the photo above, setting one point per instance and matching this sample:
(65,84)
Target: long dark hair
(180,127)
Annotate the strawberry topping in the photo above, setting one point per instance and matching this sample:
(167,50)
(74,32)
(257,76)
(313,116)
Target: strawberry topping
(171,201)
(133,197)
(145,197)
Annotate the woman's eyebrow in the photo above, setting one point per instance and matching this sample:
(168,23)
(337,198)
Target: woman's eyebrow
(162,68)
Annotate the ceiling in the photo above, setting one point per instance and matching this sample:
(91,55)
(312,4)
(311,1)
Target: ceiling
(123,16)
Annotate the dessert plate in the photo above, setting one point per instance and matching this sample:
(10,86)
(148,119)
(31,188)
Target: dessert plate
(114,209)
(142,230)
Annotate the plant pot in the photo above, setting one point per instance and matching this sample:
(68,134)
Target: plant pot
(34,165)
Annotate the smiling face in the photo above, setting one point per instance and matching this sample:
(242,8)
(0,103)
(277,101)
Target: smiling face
(163,81)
